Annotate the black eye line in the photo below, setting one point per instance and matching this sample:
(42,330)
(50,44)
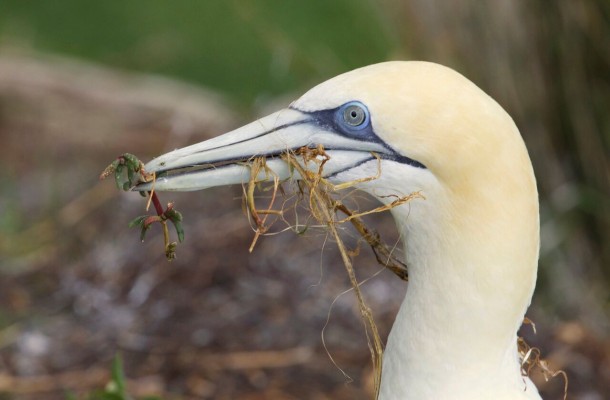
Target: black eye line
(326,119)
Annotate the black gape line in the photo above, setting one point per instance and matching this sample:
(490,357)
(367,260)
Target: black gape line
(330,120)
(275,129)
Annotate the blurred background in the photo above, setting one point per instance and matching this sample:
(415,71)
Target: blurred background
(82,82)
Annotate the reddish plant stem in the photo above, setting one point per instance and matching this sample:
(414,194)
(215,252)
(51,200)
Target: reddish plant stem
(157,203)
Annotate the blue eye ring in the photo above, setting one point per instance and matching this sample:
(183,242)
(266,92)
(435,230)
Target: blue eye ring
(353,116)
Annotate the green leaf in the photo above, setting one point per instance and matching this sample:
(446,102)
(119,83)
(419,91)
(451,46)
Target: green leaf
(137,221)
(131,178)
(118,176)
(145,229)
(179,230)
(133,162)
(176,216)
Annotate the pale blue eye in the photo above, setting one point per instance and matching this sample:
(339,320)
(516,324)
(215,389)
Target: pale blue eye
(353,115)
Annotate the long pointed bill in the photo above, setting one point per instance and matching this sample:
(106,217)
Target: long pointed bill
(224,160)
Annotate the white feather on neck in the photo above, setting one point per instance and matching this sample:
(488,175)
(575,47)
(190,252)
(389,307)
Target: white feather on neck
(469,287)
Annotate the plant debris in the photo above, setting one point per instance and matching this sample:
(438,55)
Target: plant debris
(128,170)
(531,359)
(256,166)
(134,172)
(323,207)
(313,180)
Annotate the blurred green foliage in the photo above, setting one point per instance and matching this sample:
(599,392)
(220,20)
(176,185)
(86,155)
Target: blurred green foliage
(243,48)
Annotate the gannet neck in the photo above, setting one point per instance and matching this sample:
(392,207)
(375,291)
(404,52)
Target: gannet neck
(472,251)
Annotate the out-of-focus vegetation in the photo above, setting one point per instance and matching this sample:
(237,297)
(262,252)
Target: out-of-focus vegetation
(248,50)
(76,285)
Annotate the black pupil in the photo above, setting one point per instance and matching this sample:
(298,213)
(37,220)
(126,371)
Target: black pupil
(354,116)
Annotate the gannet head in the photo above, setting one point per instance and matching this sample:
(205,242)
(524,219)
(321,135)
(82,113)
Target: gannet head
(471,244)
(434,130)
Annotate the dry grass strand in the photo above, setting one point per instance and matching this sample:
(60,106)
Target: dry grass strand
(323,208)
